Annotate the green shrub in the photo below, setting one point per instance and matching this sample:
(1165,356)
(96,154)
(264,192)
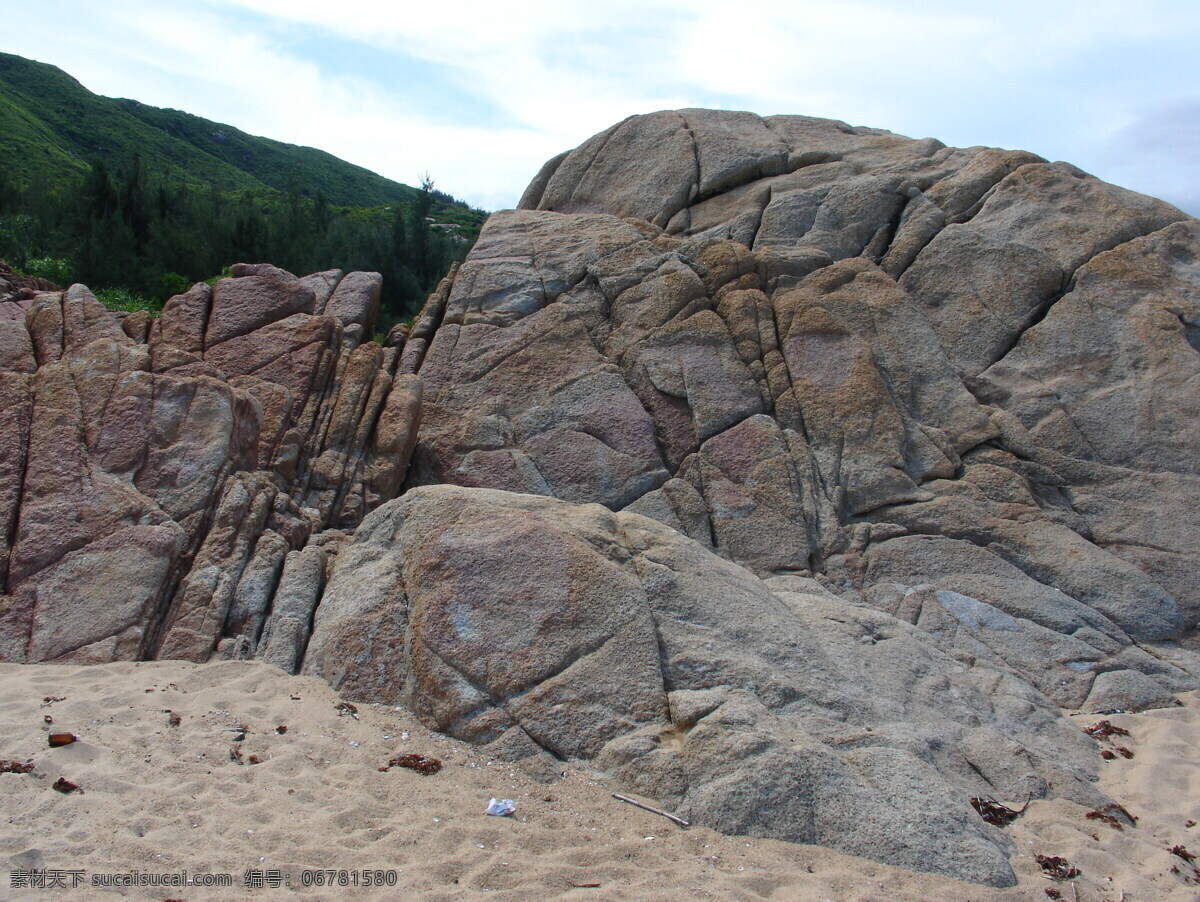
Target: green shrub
(172,283)
(223,274)
(126,300)
(56,269)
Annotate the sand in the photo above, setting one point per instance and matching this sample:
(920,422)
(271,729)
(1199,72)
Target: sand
(167,798)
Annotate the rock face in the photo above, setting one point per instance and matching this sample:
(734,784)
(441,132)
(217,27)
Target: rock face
(151,490)
(15,288)
(858,457)
(768,708)
(16,294)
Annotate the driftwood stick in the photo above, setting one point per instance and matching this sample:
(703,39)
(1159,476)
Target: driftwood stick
(671,817)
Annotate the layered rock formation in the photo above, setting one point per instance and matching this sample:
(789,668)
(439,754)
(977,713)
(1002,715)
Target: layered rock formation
(859,457)
(155,475)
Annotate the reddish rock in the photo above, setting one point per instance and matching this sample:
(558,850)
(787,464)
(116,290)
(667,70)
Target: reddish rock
(262,296)
(356,300)
(184,320)
(118,436)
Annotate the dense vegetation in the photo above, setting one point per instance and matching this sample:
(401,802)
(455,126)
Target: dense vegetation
(140,202)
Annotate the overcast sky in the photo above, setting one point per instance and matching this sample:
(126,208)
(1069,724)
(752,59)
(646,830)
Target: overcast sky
(479,94)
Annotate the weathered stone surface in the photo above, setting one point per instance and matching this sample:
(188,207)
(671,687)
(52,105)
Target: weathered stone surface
(301,584)
(254,298)
(95,604)
(255,589)
(205,599)
(530,623)
(64,323)
(152,474)
(918,425)
(755,496)
(650,171)
(16,348)
(1016,303)
(954,385)
(395,438)
(184,320)
(1109,374)
(356,300)
(16,407)
(548,413)
(322,285)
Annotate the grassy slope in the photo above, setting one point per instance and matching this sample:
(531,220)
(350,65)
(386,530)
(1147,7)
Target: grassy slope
(275,164)
(29,150)
(86,125)
(50,124)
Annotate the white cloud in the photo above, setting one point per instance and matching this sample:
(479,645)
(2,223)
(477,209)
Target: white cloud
(1061,79)
(1159,151)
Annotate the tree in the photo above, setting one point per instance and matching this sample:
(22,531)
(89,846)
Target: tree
(124,228)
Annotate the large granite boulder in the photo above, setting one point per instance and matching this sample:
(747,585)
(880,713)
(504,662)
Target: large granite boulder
(770,708)
(795,473)
(851,348)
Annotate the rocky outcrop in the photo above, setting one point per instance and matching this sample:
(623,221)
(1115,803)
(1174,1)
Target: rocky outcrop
(16,295)
(151,491)
(899,368)
(858,457)
(768,708)
(15,288)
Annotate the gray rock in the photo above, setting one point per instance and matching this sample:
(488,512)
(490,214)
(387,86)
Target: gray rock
(1126,690)
(285,634)
(589,634)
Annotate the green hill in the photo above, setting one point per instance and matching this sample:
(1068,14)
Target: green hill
(143,201)
(51,126)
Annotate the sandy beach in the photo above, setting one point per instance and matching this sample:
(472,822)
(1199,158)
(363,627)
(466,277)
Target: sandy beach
(168,788)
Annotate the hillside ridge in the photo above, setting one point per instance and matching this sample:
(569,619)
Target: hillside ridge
(55,126)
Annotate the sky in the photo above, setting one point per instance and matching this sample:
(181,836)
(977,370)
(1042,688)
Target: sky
(480,94)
